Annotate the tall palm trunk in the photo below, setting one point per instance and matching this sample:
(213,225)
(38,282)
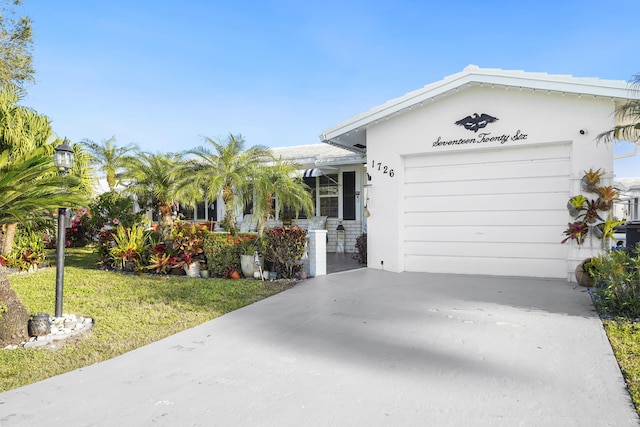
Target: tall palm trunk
(229,222)
(8,236)
(166,221)
(14,316)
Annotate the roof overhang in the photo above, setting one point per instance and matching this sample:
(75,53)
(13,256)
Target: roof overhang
(352,133)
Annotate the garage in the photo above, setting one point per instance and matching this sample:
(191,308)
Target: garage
(472,174)
(500,211)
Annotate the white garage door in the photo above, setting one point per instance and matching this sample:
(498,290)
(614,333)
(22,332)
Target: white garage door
(498,212)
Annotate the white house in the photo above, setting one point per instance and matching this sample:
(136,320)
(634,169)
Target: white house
(336,177)
(472,174)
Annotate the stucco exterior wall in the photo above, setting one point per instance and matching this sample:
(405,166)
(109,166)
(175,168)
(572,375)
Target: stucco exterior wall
(525,118)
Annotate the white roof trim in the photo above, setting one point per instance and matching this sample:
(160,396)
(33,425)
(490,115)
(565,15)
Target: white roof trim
(472,75)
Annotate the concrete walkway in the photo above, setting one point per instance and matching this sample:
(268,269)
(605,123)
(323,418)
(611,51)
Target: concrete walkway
(360,348)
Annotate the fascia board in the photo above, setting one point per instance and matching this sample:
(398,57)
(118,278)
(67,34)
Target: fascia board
(614,89)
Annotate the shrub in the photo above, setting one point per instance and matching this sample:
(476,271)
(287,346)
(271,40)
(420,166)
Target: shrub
(284,246)
(616,274)
(187,240)
(81,232)
(114,209)
(223,251)
(361,249)
(28,250)
(105,243)
(129,245)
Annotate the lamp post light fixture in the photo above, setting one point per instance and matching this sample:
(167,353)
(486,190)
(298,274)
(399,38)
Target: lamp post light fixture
(63,159)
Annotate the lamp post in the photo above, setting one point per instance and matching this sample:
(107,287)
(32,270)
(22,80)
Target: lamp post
(63,159)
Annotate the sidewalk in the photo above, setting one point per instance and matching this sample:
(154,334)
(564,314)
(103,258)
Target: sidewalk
(360,348)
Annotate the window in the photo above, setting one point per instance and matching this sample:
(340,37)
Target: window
(348,195)
(328,191)
(288,212)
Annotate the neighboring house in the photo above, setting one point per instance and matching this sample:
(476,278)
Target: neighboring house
(472,174)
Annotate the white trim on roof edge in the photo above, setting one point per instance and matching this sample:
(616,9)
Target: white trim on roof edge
(473,75)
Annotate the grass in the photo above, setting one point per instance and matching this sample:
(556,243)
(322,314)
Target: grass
(624,337)
(129,311)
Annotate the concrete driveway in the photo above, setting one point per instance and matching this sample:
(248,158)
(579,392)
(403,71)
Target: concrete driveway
(360,348)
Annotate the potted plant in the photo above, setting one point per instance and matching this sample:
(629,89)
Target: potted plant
(576,205)
(591,179)
(607,196)
(232,273)
(576,231)
(204,270)
(187,241)
(584,273)
(251,263)
(608,228)
(590,214)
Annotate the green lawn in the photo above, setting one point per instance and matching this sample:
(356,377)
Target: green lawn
(625,341)
(129,311)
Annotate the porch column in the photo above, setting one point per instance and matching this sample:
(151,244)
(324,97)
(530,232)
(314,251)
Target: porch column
(316,264)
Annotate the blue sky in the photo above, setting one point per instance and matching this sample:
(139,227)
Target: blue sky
(163,74)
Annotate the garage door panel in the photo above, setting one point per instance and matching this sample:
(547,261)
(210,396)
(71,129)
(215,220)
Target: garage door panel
(488,234)
(495,266)
(469,157)
(493,202)
(497,212)
(515,218)
(489,186)
(473,249)
(556,167)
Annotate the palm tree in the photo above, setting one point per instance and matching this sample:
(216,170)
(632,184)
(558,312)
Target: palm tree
(283,181)
(628,115)
(226,169)
(31,186)
(155,182)
(110,159)
(21,128)
(22,133)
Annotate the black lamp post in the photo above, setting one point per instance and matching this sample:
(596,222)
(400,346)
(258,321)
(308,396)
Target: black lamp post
(63,159)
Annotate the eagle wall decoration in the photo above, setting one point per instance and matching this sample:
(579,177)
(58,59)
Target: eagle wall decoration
(476,121)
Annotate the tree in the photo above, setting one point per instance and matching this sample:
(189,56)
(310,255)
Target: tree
(155,182)
(15,46)
(31,186)
(111,159)
(226,170)
(628,117)
(282,181)
(13,314)
(22,129)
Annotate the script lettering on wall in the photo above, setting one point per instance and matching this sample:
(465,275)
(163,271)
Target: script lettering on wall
(476,122)
(482,138)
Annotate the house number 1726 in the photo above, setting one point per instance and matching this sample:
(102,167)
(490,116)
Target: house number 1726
(383,168)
